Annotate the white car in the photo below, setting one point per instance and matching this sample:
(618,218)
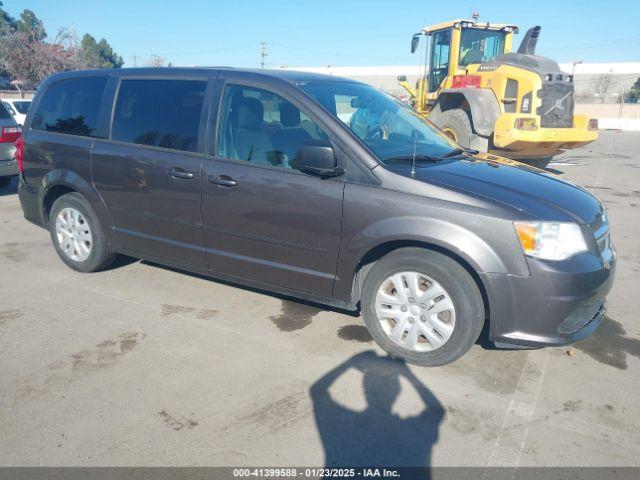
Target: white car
(17,107)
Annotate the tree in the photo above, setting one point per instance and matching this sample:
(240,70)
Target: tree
(633,95)
(92,54)
(26,59)
(31,26)
(157,61)
(7,22)
(601,85)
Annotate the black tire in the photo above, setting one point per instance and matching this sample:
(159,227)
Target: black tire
(541,163)
(100,255)
(458,283)
(5,181)
(456,121)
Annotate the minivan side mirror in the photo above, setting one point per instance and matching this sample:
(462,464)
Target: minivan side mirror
(316,157)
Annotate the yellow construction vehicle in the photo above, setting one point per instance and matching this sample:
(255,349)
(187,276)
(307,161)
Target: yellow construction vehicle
(486,97)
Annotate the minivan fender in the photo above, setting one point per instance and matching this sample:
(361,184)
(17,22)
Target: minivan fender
(420,231)
(65,178)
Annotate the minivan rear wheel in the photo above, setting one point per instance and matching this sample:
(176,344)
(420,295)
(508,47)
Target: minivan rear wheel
(422,306)
(77,234)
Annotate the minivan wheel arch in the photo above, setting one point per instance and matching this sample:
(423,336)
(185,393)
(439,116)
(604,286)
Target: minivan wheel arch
(60,182)
(380,251)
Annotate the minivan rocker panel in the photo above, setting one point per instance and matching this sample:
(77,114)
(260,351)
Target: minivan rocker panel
(319,188)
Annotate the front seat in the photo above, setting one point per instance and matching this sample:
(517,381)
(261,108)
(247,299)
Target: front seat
(289,138)
(251,143)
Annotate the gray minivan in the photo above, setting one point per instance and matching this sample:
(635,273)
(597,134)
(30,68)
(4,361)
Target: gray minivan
(320,188)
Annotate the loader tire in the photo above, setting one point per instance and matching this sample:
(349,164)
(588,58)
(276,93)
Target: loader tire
(456,125)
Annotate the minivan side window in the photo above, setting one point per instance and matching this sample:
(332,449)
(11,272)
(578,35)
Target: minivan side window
(262,128)
(71,106)
(159,113)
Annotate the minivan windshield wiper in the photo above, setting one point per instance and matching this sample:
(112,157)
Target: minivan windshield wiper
(433,158)
(421,156)
(459,151)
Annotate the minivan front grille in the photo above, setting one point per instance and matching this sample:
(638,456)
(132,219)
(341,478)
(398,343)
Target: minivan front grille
(556,109)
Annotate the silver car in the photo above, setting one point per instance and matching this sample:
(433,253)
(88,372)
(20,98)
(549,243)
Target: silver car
(9,133)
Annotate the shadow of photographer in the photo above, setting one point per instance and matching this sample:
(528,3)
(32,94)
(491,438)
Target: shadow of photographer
(376,437)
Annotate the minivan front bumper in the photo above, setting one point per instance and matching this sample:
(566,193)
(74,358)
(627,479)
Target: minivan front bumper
(557,304)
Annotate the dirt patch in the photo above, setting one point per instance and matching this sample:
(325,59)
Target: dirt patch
(572,406)
(12,251)
(206,314)
(12,314)
(355,333)
(634,194)
(202,314)
(176,423)
(275,416)
(105,353)
(168,309)
(294,316)
(609,345)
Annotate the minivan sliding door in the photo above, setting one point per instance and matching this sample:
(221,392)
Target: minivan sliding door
(148,173)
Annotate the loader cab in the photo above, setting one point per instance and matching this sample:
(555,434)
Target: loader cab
(455,45)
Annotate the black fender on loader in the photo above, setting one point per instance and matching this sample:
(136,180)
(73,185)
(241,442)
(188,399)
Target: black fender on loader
(481,109)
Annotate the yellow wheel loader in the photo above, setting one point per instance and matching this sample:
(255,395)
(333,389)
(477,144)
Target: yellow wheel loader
(486,97)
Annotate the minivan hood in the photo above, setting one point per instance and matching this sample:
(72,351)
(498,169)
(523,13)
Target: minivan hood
(532,191)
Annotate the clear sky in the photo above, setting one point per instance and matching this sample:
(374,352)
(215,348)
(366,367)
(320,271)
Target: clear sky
(331,32)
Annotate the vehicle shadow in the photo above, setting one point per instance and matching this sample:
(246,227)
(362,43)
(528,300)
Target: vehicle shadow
(376,436)
(281,296)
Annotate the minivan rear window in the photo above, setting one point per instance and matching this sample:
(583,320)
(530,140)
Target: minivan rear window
(159,113)
(71,106)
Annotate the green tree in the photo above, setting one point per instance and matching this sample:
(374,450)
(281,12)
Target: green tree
(633,95)
(7,22)
(94,54)
(31,26)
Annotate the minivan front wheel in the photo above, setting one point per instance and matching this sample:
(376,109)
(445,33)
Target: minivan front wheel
(77,235)
(422,306)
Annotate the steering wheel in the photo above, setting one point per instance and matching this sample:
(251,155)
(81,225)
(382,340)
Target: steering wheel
(373,133)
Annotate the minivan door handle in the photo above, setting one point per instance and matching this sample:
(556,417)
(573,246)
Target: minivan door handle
(177,172)
(222,180)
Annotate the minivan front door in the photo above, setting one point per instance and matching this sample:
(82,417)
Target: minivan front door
(149,174)
(264,220)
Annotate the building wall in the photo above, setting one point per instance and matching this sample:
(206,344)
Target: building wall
(591,79)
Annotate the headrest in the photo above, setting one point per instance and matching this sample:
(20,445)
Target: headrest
(289,115)
(250,113)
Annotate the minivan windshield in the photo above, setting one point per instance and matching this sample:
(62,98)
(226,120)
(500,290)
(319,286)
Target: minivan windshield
(390,128)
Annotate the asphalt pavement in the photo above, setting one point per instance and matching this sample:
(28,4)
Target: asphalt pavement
(143,365)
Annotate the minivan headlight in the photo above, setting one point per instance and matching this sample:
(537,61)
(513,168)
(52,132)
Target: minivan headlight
(551,240)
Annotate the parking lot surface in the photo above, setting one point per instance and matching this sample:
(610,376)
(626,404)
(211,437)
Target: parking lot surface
(142,365)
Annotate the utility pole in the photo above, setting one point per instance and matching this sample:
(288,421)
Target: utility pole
(573,69)
(263,53)
(135,60)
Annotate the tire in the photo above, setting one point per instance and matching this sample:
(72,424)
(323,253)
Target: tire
(5,181)
(455,121)
(456,282)
(541,163)
(99,255)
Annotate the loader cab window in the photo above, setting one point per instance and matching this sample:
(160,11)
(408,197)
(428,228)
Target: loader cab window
(439,64)
(480,45)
